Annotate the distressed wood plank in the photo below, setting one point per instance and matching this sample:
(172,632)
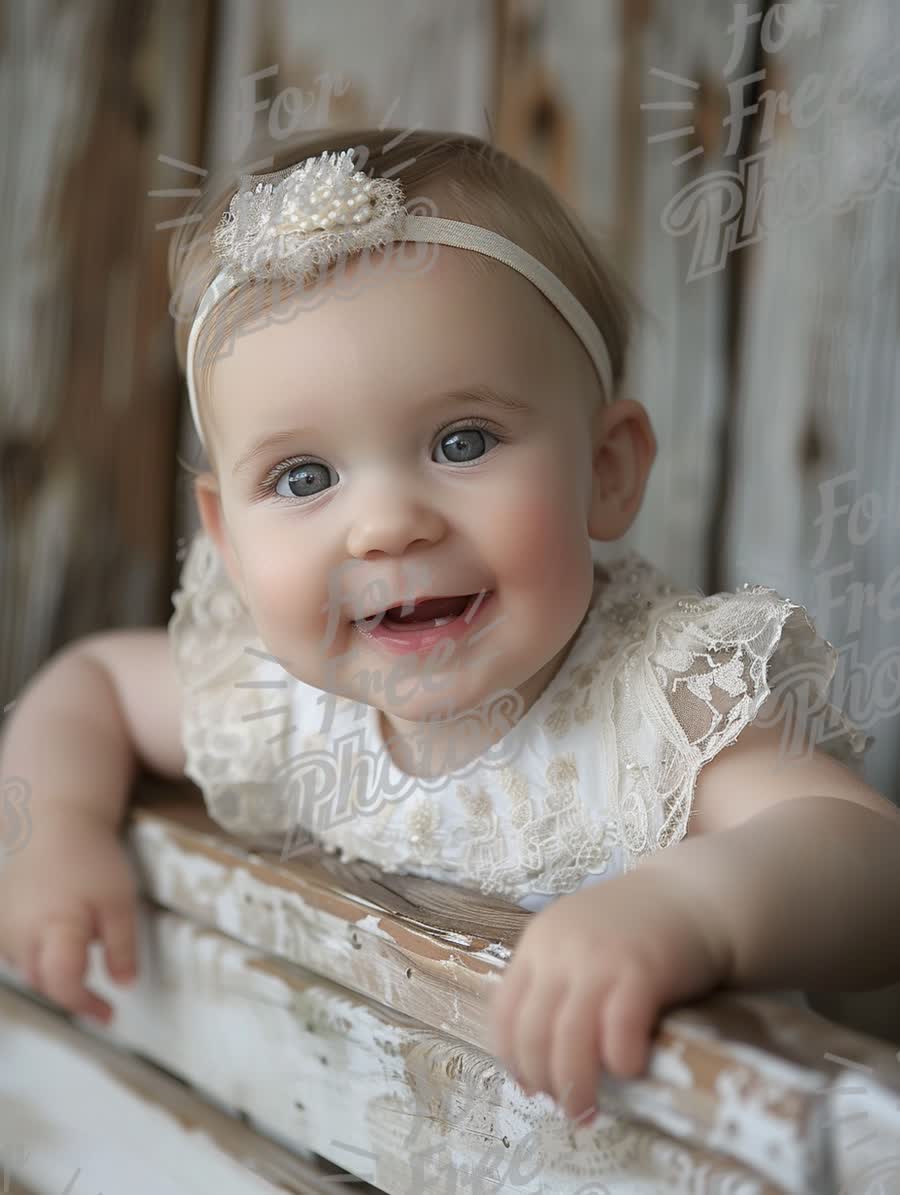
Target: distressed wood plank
(89,1115)
(815,503)
(717,1078)
(680,363)
(317,1067)
(347,69)
(87,367)
(395,944)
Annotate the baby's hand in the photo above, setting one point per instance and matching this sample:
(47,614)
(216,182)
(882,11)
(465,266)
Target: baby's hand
(590,976)
(70,883)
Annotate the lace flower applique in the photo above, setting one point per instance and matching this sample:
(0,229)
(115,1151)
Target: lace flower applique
(709,667)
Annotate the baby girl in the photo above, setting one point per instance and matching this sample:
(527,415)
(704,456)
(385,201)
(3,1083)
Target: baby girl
(391,634)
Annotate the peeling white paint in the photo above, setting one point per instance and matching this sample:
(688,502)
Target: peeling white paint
(317,1066)
(79,1125)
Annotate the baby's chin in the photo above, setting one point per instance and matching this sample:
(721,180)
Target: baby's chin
(408,694)
(442,699)
(409,689)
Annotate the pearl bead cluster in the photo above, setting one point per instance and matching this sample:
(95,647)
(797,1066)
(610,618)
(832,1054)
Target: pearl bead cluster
(323,207)
(316,214)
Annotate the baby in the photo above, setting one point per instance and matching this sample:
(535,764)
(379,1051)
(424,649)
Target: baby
(391,633)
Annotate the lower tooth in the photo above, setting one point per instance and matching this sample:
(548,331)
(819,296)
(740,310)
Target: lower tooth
(430,624)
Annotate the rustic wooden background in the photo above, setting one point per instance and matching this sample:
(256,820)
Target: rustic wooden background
(770,368)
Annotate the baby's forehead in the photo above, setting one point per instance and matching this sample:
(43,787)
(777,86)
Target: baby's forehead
(386,309)
(437,274)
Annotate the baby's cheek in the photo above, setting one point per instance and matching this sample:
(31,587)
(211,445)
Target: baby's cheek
(542,560)
(538,534)
(285,602)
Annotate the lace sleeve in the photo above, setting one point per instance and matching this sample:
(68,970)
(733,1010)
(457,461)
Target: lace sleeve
(708,667)
(236,723)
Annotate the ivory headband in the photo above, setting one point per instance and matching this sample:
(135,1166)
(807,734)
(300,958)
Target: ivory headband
(302,219)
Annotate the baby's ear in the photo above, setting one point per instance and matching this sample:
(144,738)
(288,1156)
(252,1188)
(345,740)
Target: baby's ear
(209,504)
(623,451)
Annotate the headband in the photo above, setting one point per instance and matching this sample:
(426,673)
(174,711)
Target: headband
(295,222)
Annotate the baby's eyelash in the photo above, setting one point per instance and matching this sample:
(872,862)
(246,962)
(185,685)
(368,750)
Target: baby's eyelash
(266,487)
(463,423)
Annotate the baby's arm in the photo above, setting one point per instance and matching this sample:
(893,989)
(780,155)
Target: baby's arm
(789,878)
(801,862)
(78,732)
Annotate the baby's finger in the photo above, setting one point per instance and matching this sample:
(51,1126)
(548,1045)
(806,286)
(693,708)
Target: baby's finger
(631,1013)
(61,963)
(117,929)
(504,1010)
(575,1054)
(535,1030)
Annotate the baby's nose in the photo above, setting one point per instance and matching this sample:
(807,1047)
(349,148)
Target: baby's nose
(391,524)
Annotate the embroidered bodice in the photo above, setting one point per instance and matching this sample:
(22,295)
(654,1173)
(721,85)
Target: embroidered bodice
(597,773)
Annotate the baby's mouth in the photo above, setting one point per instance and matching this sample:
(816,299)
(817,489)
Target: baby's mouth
(430,613)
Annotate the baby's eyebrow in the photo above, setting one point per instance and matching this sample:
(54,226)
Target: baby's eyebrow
(483,395)
(480,395)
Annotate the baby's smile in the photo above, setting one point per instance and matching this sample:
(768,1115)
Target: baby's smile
(422,625)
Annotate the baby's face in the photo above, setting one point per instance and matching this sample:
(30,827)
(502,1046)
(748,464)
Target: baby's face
(408,485)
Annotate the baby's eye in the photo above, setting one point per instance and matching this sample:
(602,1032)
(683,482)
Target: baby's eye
(465,444)
(301,480)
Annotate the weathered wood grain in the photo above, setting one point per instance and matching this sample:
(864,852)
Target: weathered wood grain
(318,1068)
(88,1117)
(815,498)
(341,1013)
(389,939)
(87,368)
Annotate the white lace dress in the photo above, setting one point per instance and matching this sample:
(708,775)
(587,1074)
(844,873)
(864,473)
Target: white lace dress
(598,772)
